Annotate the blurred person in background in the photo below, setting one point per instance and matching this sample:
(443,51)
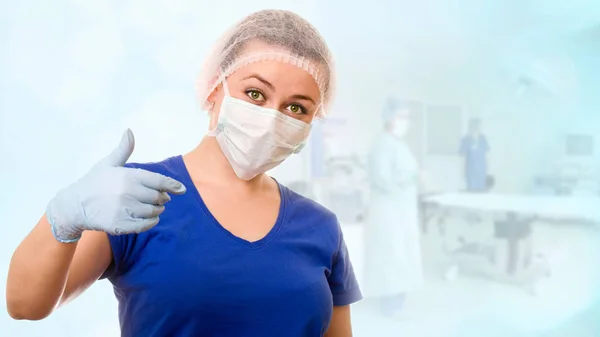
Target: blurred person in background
(235,253)
(474,148)
(393,250)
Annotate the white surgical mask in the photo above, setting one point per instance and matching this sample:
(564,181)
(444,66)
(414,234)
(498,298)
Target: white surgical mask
(256,139)
(400,128)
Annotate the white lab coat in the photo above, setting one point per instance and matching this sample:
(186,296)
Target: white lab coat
(392,237)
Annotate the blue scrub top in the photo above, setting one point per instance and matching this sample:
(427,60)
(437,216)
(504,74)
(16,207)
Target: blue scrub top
(475,150)
(189,276)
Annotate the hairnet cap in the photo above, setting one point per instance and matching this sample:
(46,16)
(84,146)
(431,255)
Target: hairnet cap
(282,36)
(393,109)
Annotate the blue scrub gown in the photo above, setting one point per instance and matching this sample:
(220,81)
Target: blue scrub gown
(474,149)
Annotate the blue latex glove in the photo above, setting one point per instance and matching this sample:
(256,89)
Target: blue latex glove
(111,198)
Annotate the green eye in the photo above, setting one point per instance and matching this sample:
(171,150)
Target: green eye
(295,108)
(255,95)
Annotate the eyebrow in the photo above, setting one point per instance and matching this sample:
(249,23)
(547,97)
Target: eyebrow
(265,82)
(268,84)
(303,97)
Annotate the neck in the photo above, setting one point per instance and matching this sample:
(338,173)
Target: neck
(207,164)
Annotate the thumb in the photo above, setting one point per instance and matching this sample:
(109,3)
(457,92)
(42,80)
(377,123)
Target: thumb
(121,154)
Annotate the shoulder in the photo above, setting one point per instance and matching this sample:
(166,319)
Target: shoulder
(172,166)
(301,204)
(308,215)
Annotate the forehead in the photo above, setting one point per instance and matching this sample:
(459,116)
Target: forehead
(279,64)
(403,113)
(286,79)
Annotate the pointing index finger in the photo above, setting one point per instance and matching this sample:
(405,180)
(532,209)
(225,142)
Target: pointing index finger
(159,182)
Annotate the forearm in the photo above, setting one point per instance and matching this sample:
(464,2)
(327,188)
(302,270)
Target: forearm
(37,274)
(406,178)
(382,185)
(382,179)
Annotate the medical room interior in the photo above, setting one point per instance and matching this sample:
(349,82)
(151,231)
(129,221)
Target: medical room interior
(515,258)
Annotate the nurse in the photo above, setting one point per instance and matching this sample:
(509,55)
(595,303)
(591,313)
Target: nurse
(234,253)
(393,250)
(474,148)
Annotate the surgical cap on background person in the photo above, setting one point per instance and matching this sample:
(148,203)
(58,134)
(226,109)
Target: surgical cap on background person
(269,35)
(393,109)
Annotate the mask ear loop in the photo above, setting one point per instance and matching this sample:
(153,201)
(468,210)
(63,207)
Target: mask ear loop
(226,88)
(220,123)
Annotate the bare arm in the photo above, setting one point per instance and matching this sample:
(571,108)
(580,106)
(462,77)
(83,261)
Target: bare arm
(44,273)
(340,325)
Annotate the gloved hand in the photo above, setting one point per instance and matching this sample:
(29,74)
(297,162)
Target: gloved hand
(111,198)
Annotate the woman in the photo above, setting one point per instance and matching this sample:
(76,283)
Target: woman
(235,253)
(393,258)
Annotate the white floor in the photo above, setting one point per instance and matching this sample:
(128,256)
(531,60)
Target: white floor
(471,306)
